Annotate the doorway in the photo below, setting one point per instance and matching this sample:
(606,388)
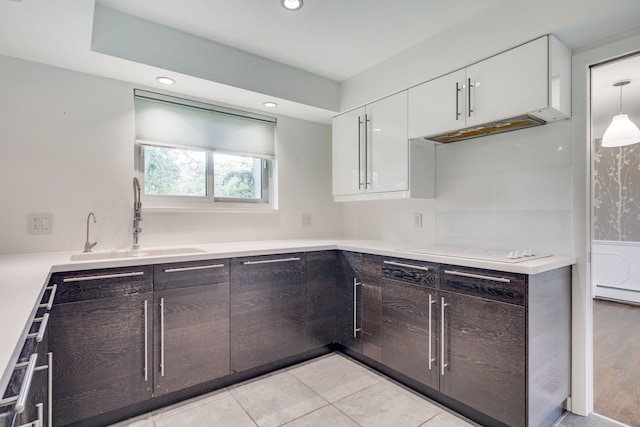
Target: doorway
(615,244)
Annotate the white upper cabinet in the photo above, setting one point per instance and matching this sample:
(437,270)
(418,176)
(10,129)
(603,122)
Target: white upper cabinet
(371,153)
(530,79)
(347,152)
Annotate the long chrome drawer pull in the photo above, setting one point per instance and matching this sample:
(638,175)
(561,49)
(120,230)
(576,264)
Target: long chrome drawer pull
(197,267)
(477,276)
(431,359)
(146,343)
(355,307)
(269,261)
(442,344)
(103,276)
(50,385)
(39,336)
(49,303)
(162,337)
(399,264)
(26,384)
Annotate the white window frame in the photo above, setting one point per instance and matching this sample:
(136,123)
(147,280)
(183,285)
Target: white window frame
(210,202)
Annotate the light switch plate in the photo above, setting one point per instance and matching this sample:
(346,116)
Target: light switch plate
(40,223)
(306,220)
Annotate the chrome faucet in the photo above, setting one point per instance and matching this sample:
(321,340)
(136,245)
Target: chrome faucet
(88,246)
(137,212)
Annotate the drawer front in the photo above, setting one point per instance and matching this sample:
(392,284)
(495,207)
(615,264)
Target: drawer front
(102,283)
(494,285)
(419,273)
(267,268)
(188,274)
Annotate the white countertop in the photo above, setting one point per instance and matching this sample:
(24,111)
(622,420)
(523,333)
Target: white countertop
(24,276)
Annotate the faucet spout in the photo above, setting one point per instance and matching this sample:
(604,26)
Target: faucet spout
(88,246)
(137,212)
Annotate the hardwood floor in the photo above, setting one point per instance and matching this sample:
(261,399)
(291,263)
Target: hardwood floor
(616,359)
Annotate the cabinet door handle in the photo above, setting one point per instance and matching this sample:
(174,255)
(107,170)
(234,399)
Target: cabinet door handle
(458,114)
(162,337)
(49,303)
(196,267)
(477,276)
(50,385)
(359,153)
(355,308)
(431,359)
(442,344)
(470,110)
(367,181)
(102,276)
(270,261)
(146,342)
(21,401)
(39,336)
(400,264)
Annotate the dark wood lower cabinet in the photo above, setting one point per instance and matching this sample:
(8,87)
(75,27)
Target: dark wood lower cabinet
(484,345)
(320,297)
(493,344)
(99,356)
(191,324)
(100,323)
(191,344)
(267,309)
(359,304)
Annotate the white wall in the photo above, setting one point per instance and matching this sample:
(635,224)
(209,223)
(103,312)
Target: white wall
(67,149)
(507,191)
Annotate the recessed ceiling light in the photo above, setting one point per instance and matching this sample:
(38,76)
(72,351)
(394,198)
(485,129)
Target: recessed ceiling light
(270,104)
(292,4)
(165,80)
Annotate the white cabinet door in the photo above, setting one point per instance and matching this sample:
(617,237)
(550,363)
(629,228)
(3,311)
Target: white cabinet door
(387,146)
(437,106)
(347,153)
(513,82)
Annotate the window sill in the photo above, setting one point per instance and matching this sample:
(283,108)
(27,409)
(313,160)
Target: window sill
(218,210)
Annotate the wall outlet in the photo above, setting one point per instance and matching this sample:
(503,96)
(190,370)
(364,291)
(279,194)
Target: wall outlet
(417,220)
(39,223)
(306,220)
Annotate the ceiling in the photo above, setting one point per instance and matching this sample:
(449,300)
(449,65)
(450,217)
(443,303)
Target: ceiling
(335,39)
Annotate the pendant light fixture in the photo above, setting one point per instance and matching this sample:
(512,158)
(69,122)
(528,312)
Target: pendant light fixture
(621,131)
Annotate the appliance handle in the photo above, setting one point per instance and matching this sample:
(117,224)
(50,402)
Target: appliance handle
(400,264)
(196,267)
(103,276)
(270,261)
(477,276)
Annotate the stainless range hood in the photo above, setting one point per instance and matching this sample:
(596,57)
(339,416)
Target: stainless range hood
(515,123)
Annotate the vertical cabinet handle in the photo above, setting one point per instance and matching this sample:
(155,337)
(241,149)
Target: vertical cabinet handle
(355,308)
(49,303)
(146,342)
(26,384)
(359,153)
(431,358)
(469,97)
(442,344)
(458,113)
(50,385)
(367,181)
(162,337)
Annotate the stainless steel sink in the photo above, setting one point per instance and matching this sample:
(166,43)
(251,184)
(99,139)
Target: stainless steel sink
(133,253)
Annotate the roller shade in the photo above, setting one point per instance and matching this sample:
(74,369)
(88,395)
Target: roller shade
(165,120)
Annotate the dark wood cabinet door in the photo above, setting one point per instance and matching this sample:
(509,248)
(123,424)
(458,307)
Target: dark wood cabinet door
(99,356)
(410,314)
(371,307)
(485,356)
(191,336)
(267,309)
(349,300)
(320,299)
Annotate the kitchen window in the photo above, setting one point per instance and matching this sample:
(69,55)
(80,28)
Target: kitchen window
(192,155)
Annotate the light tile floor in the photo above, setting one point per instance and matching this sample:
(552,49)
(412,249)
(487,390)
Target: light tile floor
(332,390)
